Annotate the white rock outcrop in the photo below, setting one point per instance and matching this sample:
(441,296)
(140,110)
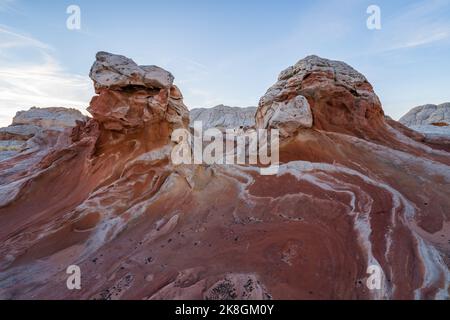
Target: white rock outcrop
(47,118)
(111,71)
(431,120)
(32,123)
(288,116)
(428,114)
(224,117)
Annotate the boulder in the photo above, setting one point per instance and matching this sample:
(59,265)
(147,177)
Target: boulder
(288,116)
(111,71)
(339,98)
(132,97)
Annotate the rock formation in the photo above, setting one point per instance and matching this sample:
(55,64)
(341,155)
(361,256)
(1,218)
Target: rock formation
(429,114)
(286,116)
(132,98)
(56,119)
(433,121)
(35,124)
(342,100)
(224,117)
(354,192)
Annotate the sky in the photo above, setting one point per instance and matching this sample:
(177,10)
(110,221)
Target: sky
(222,52)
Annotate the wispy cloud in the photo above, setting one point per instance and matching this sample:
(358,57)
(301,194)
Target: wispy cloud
(418,25)
(36,79)
(13,39)
(424,39)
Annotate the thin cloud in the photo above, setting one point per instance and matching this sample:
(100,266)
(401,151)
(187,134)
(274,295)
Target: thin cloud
(424,40)
(13,39)
(37,80)
(418,25)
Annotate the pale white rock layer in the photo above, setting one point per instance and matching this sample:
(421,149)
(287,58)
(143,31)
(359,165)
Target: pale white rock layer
(288,116)
(113,71)
(430,130)
(427,115)
(32,123)
(48,118)
(223,116)
(431,120)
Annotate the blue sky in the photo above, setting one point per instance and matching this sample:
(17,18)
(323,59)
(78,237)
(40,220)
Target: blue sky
(226,52)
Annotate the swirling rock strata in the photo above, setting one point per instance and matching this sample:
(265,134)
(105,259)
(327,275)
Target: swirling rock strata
(353,191)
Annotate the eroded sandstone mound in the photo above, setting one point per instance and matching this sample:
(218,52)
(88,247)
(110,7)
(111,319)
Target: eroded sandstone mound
(132,97)
(353,190)
(342,99)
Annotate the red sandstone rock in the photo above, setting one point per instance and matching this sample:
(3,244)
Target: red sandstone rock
(352,191)
(342,100)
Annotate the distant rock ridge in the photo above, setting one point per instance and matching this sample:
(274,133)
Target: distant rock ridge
(48,118)
(224,117)
(429,114)
(38,123)
(433,121)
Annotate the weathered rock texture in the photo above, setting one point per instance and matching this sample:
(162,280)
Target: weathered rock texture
(341,98)
(224,117)
(56,119)
(287,116)
(354,190)
(132,98)
(433,121)
(429,114)
(35,124)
